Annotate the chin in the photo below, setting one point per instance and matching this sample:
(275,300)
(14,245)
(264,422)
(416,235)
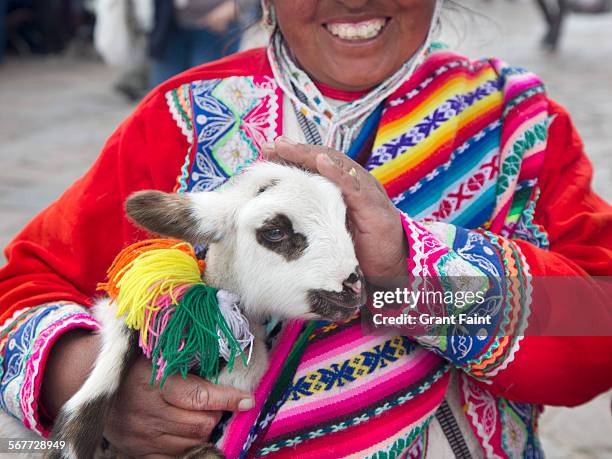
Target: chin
(358,81)
(359,74)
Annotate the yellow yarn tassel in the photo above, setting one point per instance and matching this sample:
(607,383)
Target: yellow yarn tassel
(144,271)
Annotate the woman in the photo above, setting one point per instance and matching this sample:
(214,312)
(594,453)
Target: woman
(443,162)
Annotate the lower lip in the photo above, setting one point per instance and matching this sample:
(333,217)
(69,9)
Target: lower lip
(363,41)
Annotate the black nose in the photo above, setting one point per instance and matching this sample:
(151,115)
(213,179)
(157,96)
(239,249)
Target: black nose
(353,283)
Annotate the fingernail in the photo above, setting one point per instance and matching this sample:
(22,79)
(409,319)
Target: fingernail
(268,145)
(285,139)
(246,404)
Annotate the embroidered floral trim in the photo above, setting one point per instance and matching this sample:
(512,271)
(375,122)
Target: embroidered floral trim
(527,230)
(178,101)
(450,252)
(514,432)
(516,312)
(34,368)
(504,429)
(482,413)
(441,249)
(26,344)
(233,118)
(519,333)
(425,248)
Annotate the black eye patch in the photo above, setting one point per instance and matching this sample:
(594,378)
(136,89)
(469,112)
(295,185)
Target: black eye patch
(277,234)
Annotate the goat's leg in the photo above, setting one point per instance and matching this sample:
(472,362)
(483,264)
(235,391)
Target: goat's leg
(203,452)
(82,418)
(247,377)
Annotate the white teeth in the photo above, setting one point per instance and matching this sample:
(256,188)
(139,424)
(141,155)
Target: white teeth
(357,30)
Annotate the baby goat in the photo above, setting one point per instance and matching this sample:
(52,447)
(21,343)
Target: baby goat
(276,236)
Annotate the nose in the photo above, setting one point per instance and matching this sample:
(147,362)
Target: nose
(353,283)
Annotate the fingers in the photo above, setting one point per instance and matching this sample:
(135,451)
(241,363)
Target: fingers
(197,394)
(303,155)
(348,180)
(285,149)
(188,423)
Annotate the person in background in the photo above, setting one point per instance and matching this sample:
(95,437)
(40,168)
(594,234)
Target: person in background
(41,26)
(120,37)
(187,33)
(555,12)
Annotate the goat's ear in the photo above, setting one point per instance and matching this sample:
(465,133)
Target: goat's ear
(196,218)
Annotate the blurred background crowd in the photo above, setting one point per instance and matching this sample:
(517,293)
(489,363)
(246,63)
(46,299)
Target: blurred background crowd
(148,40)
(71,70)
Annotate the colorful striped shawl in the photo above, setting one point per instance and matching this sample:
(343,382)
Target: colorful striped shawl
(460,142)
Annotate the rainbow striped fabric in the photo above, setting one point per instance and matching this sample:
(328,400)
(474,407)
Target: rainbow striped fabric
(460,143)
(454,146)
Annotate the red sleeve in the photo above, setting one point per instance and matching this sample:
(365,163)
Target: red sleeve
(55,263)
(565,370)
(64,252)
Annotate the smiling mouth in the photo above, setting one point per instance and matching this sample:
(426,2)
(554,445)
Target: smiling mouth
(357,31)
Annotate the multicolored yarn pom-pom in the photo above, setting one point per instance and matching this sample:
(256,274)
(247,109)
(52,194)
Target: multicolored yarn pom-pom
(157,288)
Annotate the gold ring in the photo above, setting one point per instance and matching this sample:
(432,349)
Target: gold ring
(353,172)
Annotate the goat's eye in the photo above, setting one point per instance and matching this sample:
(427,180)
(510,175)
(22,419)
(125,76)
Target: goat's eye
(274,235)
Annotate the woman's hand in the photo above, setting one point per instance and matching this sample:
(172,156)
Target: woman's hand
(144,421)
(380,243)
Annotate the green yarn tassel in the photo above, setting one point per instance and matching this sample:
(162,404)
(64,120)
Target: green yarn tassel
(191,332)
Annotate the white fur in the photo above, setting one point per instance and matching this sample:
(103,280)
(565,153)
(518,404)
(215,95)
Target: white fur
(105,377)
(265,281)
(246,377)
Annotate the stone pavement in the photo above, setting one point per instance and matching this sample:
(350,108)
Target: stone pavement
(56,113)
